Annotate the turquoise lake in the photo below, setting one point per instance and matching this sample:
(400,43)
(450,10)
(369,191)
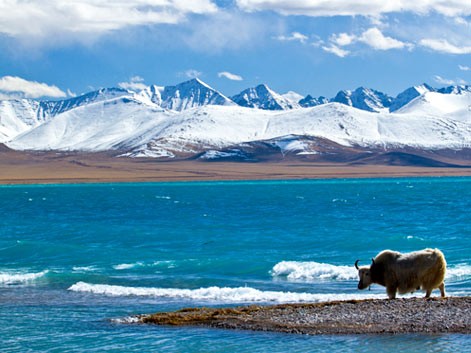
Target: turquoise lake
(77,261)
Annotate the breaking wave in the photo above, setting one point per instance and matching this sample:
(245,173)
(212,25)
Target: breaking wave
(458,272)
(138,264)
(216,294)
(20,278)
(312,271)
(127,266)
(84,268)
(316,271)
(126,320)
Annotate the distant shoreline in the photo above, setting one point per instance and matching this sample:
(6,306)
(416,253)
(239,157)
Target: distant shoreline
(63,168)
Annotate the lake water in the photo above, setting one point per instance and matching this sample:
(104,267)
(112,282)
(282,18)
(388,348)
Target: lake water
(76,261)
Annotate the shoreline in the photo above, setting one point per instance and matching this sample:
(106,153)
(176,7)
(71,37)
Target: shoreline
(73,168)
(371,316)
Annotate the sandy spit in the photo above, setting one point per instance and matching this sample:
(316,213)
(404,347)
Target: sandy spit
(411,315)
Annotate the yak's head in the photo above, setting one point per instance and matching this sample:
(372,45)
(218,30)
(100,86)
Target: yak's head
(364,272)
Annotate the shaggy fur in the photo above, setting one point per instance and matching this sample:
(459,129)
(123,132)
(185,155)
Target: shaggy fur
(406,273)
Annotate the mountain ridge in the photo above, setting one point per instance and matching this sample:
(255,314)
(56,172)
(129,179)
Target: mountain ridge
(192,118)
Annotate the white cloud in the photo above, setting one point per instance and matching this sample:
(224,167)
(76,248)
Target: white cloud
(19,87)
(317,42)
(443,46)
(223,31)
(445,81)
(342,39)
(355,8)
(333,49)
(230,76)
(70,93)
(464,68)
(462,21)
(136,83)
(295,36)
(375,39)
(191,73)
(40,19)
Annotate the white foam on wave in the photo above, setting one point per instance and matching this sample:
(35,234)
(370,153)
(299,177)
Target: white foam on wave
(20,278)
(126,320)
(217,294)
(316,271)
(127,266)
(312,271)
(84,268)
(458,272)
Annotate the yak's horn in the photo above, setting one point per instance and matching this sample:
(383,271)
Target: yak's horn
(356,264)
(373,261)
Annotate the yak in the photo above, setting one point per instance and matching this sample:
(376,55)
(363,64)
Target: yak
(405,273)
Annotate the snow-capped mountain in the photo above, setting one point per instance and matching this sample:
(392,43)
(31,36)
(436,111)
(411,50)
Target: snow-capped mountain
(17,116)
(364,99)
(455,89)
(20,115)
(190,94)
(53,108)
(293,97)
(310,101)
(142,130)
(191,119)
(442,105)
(408,95)
(262,97)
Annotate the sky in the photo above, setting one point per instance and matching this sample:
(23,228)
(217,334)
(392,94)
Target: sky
(58,49)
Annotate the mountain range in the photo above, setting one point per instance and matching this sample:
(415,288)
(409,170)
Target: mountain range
(193,120)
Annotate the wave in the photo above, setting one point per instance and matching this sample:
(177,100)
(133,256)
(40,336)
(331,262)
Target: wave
(126,320)
(84,268)
(20,278)
(316,271)
(458,272)
(312,271)
(127,266)
(217,294)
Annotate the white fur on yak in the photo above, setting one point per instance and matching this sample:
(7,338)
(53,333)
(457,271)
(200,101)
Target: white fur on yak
(405,273)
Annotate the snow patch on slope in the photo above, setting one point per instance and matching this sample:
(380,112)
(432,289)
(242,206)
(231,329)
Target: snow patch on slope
(143,130)
(456,106)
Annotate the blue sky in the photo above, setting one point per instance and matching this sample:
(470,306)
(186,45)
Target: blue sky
(60,48)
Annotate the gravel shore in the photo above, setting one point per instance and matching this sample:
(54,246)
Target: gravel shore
(411,315)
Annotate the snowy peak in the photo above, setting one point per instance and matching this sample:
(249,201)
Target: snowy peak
(190,94)
(152,94)
(310,101)
(364,99)
(262,97)
(455,89)
(450,102)
(293,97)
(53,108)
(408,95)
(17,116)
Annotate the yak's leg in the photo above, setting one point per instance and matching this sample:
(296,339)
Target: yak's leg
(442,289)
(391,292)
(428,293)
